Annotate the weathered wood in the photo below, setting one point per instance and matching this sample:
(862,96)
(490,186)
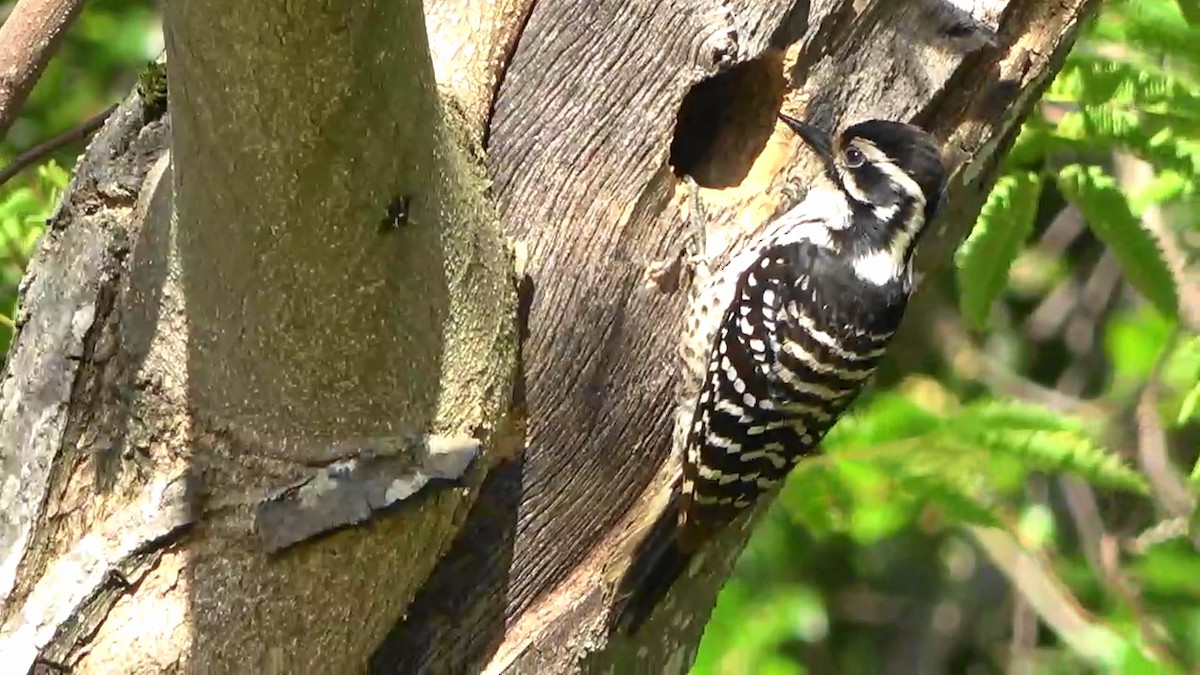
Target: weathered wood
(64,413)
(579,154)
(471,43)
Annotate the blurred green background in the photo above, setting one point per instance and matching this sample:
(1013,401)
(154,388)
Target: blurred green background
(1016,493)
(97,65)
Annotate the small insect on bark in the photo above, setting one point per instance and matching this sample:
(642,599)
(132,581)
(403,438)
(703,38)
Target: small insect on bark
(397,214)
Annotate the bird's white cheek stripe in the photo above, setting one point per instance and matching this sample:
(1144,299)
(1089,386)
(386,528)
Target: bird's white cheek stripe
(878,267)
(884,266)
(902,180)
(886,213)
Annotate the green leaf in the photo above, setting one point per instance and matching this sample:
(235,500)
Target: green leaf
(53,178)
(1155,138)
(874,493)
(1129,102)
(753,633)
(1108,214)
(1188,409)
(1031,146)
(1036,526)
(1040,439)
(817,496)
(1095,79)
(889,417)
(1190,10)
(1166,186)
(985,258)
(1133,341)
(1056,451)
(1150,28)
(1008,414)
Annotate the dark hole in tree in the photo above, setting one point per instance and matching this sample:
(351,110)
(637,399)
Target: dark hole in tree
(725,121)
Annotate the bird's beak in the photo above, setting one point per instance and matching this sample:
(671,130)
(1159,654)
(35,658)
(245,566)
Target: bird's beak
(817,139)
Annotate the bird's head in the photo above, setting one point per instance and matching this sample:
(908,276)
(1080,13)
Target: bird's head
(892,175)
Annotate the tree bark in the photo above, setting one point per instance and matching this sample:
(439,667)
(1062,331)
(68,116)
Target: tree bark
(286,324)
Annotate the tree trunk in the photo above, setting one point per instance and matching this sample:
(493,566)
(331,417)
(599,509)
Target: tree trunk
(264,337)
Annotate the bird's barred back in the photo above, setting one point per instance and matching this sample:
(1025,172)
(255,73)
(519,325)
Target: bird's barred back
(712,292)
(786,360)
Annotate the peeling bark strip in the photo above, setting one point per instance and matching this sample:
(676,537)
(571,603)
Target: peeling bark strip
(73,586)
(471,43)
(57,352)
(349,491)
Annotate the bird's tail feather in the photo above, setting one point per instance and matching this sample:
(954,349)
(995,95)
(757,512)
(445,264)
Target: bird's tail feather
(657,563)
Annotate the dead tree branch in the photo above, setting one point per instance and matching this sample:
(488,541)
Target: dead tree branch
(28,39)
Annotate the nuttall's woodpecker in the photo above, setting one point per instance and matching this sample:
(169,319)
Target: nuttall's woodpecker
(781,339)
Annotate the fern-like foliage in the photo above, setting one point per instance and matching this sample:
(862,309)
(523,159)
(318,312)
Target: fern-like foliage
(1057,452)
(1006,414)
(1096,194)
(23,212)
(895,458)
(1161,139)
(1190,407)
(1132,103)
(1088,79)
(984,259)
(1154,27)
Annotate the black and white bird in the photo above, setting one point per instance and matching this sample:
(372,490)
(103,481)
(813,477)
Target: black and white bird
(781,339)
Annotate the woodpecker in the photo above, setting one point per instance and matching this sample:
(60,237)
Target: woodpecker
(782,338)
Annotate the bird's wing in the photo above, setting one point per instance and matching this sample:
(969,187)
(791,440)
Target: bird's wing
(742,437)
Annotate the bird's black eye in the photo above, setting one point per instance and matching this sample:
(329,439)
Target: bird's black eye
(854,157)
